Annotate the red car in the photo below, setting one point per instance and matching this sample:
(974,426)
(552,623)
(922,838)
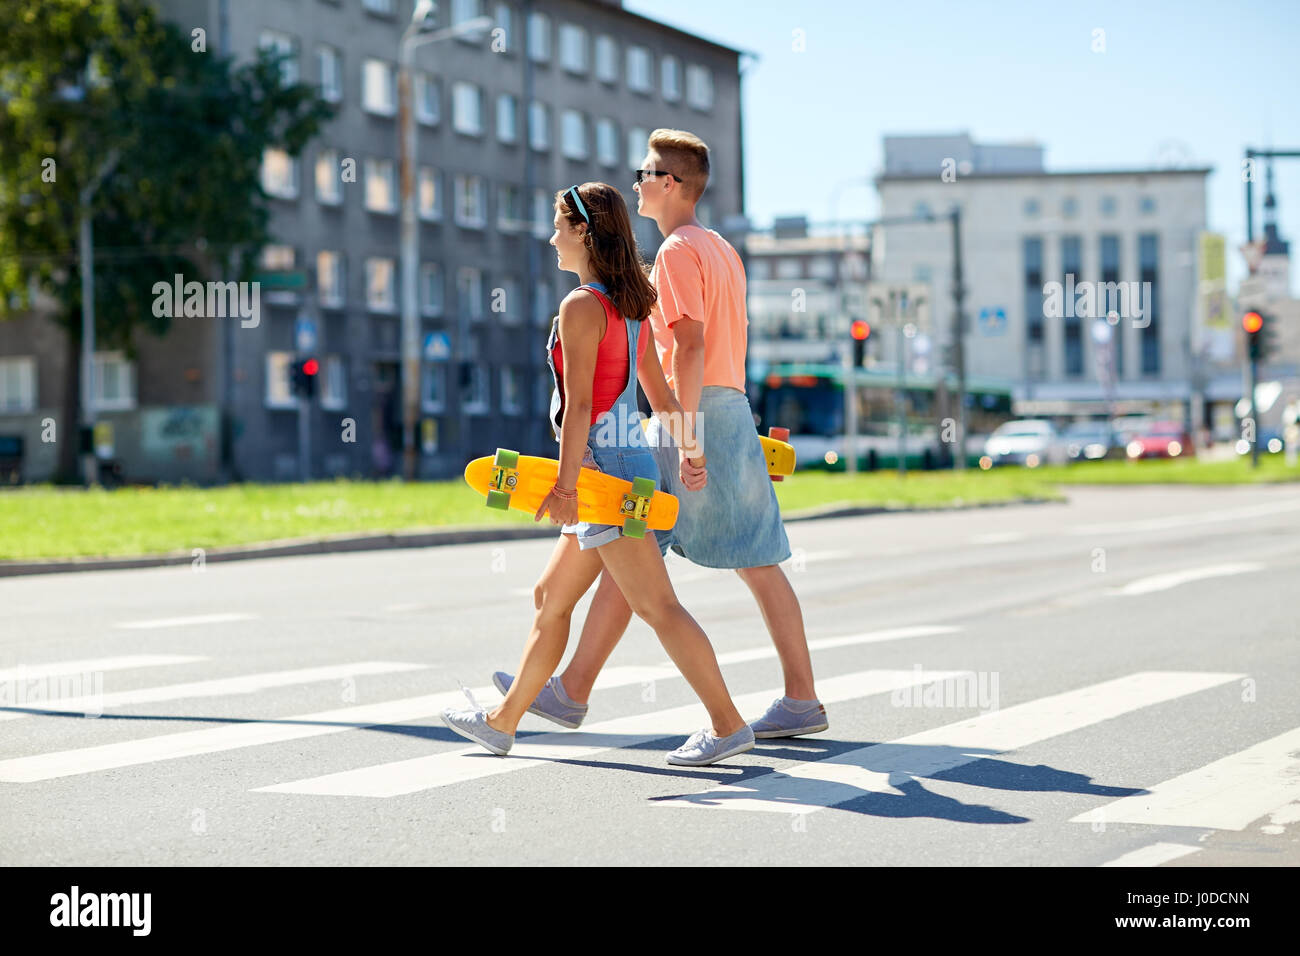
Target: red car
(1161,440)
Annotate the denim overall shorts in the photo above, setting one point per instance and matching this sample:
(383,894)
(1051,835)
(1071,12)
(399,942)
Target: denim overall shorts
(616,444)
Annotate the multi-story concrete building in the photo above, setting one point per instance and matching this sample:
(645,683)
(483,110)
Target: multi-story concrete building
(561,92)
(1074,279)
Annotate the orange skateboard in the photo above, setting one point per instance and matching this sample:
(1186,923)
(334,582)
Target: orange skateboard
(512,480)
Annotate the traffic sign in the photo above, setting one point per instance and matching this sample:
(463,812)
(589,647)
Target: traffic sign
(304,334)
(993,320)
(437,347)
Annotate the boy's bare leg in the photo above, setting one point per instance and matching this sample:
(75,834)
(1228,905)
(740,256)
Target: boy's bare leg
(784,619)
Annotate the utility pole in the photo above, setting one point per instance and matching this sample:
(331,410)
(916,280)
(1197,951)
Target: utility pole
(959,337)
(86,252)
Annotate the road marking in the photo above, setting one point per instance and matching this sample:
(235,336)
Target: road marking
(1172,579)
(183,621)
(1280,817)
(883,768)
(998,537)
(446,769)
(125,662)
(1186,520)
(1228,794)
(1153,855)
(220,687)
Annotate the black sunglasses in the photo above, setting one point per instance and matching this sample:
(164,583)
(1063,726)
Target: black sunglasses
(642,173)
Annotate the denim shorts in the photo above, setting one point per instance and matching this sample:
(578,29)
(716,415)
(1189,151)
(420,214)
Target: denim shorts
(734,521)
(625,463)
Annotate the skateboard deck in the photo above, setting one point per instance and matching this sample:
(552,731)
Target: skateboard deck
(512,480)
(778,452)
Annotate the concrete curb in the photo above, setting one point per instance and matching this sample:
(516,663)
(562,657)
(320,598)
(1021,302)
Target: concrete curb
(410,539)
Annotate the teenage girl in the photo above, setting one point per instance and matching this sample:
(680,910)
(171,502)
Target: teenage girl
(596,355)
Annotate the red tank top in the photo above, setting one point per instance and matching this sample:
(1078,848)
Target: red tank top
(611,360)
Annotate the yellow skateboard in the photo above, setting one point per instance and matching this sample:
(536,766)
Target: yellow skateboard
(778,452)
(512,480)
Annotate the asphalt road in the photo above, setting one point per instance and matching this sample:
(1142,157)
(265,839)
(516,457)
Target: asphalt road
(1110,681)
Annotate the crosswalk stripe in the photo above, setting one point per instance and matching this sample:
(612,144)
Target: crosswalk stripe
(882,768)
(445,769)
(182,621)
(1153,855)
(124,662)
(222,686)
(1187,520)
(1227,794)
(1163,582)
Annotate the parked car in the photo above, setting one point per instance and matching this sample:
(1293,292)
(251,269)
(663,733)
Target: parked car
(1271,441)
(1091,441)
(1031,442)
(1161,440)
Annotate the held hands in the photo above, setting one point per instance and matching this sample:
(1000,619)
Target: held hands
(693,473)
(562,510)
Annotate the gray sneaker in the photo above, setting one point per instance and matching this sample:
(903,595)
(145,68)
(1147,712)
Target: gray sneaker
(783,720)
(551,701)
(473,725)
(703,748)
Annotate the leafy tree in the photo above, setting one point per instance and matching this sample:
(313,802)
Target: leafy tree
(85,81)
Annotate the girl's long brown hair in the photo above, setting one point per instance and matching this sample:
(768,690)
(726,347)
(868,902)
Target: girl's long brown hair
(611,247)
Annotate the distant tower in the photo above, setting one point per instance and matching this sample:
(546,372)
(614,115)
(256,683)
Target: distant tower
(1275,266)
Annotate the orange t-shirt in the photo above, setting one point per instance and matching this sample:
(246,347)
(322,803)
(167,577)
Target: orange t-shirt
(700,276)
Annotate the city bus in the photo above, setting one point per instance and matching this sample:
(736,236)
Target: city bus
(808,399)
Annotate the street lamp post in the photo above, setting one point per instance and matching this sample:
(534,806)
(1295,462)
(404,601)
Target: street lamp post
(414,35)
(86,253)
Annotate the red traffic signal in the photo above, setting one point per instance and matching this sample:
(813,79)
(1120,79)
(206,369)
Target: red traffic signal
(310,367)
(859,330)
(1252,322)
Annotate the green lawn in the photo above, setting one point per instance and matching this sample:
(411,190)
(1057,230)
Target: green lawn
(47,522)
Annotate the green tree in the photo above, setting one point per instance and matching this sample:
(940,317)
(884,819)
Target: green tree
(85,80)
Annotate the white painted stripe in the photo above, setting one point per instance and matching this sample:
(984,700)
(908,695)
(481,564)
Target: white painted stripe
(446,769)
(1172,579)
(998,537)
(815,785)
(183,621)
(1228,794)
(220,687)
(125,662)
(1153,855)
(1186,520)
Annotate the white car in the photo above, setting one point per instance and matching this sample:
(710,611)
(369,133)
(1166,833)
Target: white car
(1031,442)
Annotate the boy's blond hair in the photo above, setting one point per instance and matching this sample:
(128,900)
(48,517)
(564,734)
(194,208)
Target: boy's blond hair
(688,157)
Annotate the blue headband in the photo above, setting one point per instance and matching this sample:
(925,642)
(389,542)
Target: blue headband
(577,201)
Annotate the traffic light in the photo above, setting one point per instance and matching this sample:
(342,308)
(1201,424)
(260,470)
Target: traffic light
(303,375)
(1261,333)
(860,331)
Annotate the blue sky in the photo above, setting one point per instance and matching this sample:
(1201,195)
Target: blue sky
(1196,80)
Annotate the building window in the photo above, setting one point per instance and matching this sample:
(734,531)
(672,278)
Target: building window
(505,23)
(1147,205)
(638,69)
(384,7)
(507,118)
(282,45)
(279,174)
(471,204)
(431,289)
(606,142)
(114,382)
(279,392)
(512,393)
(17,385)
(1031,208)
(378,90)
(699,87)
(330,63)
(545,388)
(821,267)
(476,398)
(427,99)
(573,48)
(381,186)
(462,11)
(543,214)
(506,300)
(539,126)
(1110,301)
(1032,250)
(544,305)
(1108,205)
(760,269)
(1072,339)
(329,279)
(1149,271)
(539,37)
(329,189)
(573,132)
(638,144)
(434,395)
(469,292)
(606,60)
(333,383)
(428,194)
(467,109)
(670,78)
(510,208)
(381,295)
(1069,207)
(921,210)
(278,258)
(789,268)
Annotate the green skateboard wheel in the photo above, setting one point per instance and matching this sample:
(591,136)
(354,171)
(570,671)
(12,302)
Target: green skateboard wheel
(645,487)
(498,499)
(506,458)
(634,528)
